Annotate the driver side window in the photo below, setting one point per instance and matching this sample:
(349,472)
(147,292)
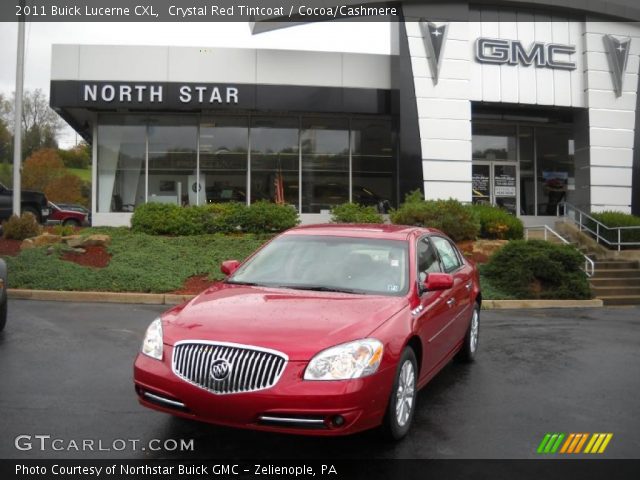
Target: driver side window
(450,260)
(427,259)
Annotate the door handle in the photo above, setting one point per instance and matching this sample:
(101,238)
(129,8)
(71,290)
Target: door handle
(451,302)
(469,286)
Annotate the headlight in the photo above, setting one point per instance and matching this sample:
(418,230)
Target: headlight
(350,360)
(152,343)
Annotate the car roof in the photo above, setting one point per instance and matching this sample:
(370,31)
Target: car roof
(361,230)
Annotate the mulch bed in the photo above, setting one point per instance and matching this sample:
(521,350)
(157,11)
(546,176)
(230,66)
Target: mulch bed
(466,247)
(9,247)
(95,256)
(194,285)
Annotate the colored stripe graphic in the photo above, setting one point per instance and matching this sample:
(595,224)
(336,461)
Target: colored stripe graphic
(573,443)
(550,443)
(598,442)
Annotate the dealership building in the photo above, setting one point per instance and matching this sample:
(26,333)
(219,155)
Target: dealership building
(521,108)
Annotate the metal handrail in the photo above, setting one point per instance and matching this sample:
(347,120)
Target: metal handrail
(579,221)
(589,264)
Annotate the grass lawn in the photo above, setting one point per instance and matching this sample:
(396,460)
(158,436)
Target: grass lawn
(83,173)
(139,263)
(146,263)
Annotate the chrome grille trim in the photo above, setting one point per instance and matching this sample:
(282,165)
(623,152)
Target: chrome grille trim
(252,368)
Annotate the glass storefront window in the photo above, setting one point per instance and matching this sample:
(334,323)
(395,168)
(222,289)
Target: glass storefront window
(308,162)
(325,163)
(224,143)
(527,171)
(372,163)
(121,164)
(274,159)
(556,169)
(172,161)
(494,142)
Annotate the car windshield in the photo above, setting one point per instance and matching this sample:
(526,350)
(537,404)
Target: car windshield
(329,263)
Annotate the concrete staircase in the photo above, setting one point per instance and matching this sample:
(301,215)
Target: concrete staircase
(616,280)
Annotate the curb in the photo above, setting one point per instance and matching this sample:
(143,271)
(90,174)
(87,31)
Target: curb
(98,297)
(533,304)
(173,299)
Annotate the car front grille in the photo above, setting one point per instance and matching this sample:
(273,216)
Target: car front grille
(224,368)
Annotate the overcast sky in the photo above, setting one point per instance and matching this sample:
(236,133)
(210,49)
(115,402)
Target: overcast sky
(326,36)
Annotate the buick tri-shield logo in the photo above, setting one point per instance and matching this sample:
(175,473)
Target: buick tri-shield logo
(220,369)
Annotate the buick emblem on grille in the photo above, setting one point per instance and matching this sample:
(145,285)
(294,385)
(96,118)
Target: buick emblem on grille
(220,369)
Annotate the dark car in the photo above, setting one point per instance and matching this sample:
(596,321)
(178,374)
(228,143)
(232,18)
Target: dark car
(3,294)
(30,202)
(327,195)
(326,330)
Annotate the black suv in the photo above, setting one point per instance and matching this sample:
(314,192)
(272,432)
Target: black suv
(33,202)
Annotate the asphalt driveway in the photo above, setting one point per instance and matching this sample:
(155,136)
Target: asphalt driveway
(65,372)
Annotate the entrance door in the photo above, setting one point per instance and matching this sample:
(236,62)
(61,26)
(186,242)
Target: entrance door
(495,183)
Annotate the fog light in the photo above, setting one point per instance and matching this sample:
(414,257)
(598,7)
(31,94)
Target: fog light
(338,420)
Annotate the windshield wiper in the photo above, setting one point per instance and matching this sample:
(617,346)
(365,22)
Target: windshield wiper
(322,288)
(250,284)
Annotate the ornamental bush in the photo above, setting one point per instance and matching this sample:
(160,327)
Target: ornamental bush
(355,213)
(267,217)
(537,269)
(20,228)
(496,223)
(618,219)
(449,216)
(166,219)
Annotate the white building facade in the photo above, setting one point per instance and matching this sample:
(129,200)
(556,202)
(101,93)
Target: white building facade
(521,109)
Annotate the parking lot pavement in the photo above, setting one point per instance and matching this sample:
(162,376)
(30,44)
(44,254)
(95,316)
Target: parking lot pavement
(66,372)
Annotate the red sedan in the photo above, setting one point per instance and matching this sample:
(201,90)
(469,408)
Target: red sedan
(325,330)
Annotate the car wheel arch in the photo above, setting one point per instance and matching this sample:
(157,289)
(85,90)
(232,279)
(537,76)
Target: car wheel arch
(415,343)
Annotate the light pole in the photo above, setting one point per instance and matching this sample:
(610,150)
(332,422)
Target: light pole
(17,125)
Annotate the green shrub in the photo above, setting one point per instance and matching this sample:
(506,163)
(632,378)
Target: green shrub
(496,223)
(20,228)
(450,216)
(160,219)
(225,217)
(538,269)
(267,217)
(617,219)
(166,219)
(354,213)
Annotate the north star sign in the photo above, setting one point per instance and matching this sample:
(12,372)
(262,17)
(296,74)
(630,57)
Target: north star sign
(498,51)
(141,93)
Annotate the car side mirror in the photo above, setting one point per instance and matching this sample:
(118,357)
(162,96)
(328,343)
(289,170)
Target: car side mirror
(438,281)
(229,266)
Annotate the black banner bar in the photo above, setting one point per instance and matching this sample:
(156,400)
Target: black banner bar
(589,469)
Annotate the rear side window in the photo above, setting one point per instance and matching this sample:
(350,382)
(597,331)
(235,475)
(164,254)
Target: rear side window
(448,254)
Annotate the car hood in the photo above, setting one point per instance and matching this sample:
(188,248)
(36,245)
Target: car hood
(298,323)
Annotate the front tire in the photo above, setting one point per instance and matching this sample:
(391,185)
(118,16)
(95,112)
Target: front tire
(3,310)
(71,222)
(33,212)
(470,345)
(402,403)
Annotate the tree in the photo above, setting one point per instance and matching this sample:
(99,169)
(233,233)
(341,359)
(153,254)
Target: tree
(65,189)
(41,168)
(78,156)
(40,124)
(6,143)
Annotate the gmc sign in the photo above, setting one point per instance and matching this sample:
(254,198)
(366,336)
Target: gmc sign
(512,52)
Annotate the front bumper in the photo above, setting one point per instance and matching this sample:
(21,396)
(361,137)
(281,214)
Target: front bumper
(292,405)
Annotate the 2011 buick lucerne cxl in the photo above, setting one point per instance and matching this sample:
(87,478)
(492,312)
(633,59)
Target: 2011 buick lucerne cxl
(325,330)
